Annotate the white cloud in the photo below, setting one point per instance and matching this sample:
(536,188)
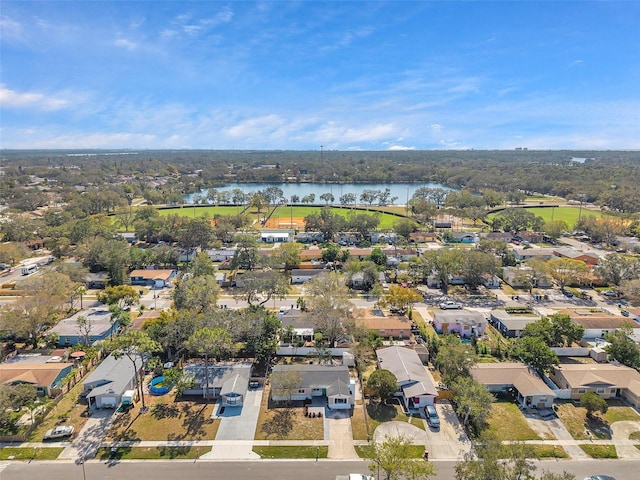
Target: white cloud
(400,147)
(12,99)
(124,43)
(11,30)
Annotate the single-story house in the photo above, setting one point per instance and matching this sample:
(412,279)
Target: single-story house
(310,237)
(402,254)
(105,386)
(46,376)
(302,326)
(138,322)
(276,236)
(186,254)
(597,324)
(347,238)
(504,236)
(303,382)
(228,381)
(423,237)
(221,255)
(153,278)
(384,237)
(490,281)
(99,326)
(302,275)
(604,379)
(130,237)
(590,259)
(415,385)
(634,314)
(462,237)
(97,280)
(522,254)
(397,327)
(311,254)
(518,277)
(510,326)
(531,237)
(530,390)
(465,323)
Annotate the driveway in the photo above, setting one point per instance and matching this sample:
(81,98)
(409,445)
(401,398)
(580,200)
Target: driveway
(450,442)
(87,441)
(237,429)
(338,426)
(621,431)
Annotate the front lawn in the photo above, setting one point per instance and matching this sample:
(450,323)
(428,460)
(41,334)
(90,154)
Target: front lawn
(151,453)
(600,451)
(167,418)
(286,422)
(358,425)
(507,422)
(382,412)
(292,452)
(28,453)
(367,451)
(579,425)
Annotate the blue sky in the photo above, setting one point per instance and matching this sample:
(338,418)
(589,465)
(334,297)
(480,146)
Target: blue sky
(296,75)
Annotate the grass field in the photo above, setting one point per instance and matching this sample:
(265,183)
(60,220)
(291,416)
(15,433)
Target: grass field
(568,214)
(600,451)
(30,453)
(506,422)
(152,453)
(292,452)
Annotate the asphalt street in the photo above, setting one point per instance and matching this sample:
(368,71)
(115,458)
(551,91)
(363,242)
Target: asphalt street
(267,469)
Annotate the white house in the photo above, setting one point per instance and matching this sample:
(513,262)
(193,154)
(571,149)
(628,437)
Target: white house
(105,386)
(415,385)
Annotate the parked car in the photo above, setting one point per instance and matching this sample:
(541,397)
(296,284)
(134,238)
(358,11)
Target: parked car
(61,431)
(254,384)
(609,293)
(600,477)
(432,416)
(624,313)
(450,305)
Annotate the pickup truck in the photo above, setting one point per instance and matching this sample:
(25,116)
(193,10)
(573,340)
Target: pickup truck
(355,476)
(61,431)
(449,305)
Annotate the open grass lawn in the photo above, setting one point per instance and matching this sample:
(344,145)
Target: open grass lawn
(635,436)
(358,425)
(380,413)
(286,422)
(292,452)
(569,214)
(578,424)
(549,451)
(367,451)
(600,451)
(200,211)
(166,419)
(67,411)
(28,453)
(506,422)
(151,453)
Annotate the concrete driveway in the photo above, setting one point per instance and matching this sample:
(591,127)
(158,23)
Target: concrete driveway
(338,426)
(450,442)
(621,431)
(88,440)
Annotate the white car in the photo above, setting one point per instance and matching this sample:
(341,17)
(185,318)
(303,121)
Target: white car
(61,431)
(450,305)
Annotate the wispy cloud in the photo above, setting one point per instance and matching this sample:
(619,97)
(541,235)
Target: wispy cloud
(31,100)
(125,43)
(10,28)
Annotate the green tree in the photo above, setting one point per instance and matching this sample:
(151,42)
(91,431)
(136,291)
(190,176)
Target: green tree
(378,256)
(615,269)
(134,344)
(400,297)
(196,293)
(210,342)
(534,352)
(287,256)
(202,265)
(567,271)
(121,295)
(593,403)
(555,228)
(246,256)
(284,382)
(622,348)
(382,384)
(473,402)
(517,219)
(257,288)
(476,265)
(454,359)
(393,458)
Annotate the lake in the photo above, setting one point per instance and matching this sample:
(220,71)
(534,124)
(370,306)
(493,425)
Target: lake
(402,191)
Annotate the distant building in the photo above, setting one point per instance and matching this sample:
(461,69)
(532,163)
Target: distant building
(99,323)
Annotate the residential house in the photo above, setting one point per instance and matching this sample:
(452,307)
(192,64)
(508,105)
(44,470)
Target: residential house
(530,390)
(224,255)
(359,253)
(97,280)
(465,323)
(490,281)
(604,379)
(504,236)
(138,322)
(423,237)
(277,236)
(402,254)
(310,237)
(98,325)
(45,373)
(384,237)
(396,326)
(517,277)
(462,237)
(228,381)
(531,237)
(510,326)
(590,259)
(153,278)
(347,238)
(302,326)
(187,254)
(311,254)
(415,385)
(522,254)
(104,387)
(330,381)
(597,323)
(303,275)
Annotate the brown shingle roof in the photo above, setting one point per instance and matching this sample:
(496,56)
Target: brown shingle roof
(520,376)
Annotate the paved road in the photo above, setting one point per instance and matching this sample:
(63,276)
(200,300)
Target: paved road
(266,469)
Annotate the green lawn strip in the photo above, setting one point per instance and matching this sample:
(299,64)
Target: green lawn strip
(635,436)
(367,451)
(380,413)
(152,453)
(600,451)
(620,414)
(549,451)
(358,425)
(292,452)
(28,453)
(506,422)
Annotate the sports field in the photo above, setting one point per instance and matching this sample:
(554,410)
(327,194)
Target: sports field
(569,214)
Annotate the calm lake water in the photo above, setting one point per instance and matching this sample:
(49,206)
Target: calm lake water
(402,191)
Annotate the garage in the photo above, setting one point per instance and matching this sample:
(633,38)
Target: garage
(108,402)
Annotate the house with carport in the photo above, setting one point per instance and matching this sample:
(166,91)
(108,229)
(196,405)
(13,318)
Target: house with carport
(227,381)
(104,387)
(529,389)
(605,379)
(45,373)
(416,388)
(306,382)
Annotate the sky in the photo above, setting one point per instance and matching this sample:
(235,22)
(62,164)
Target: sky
(346,75)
